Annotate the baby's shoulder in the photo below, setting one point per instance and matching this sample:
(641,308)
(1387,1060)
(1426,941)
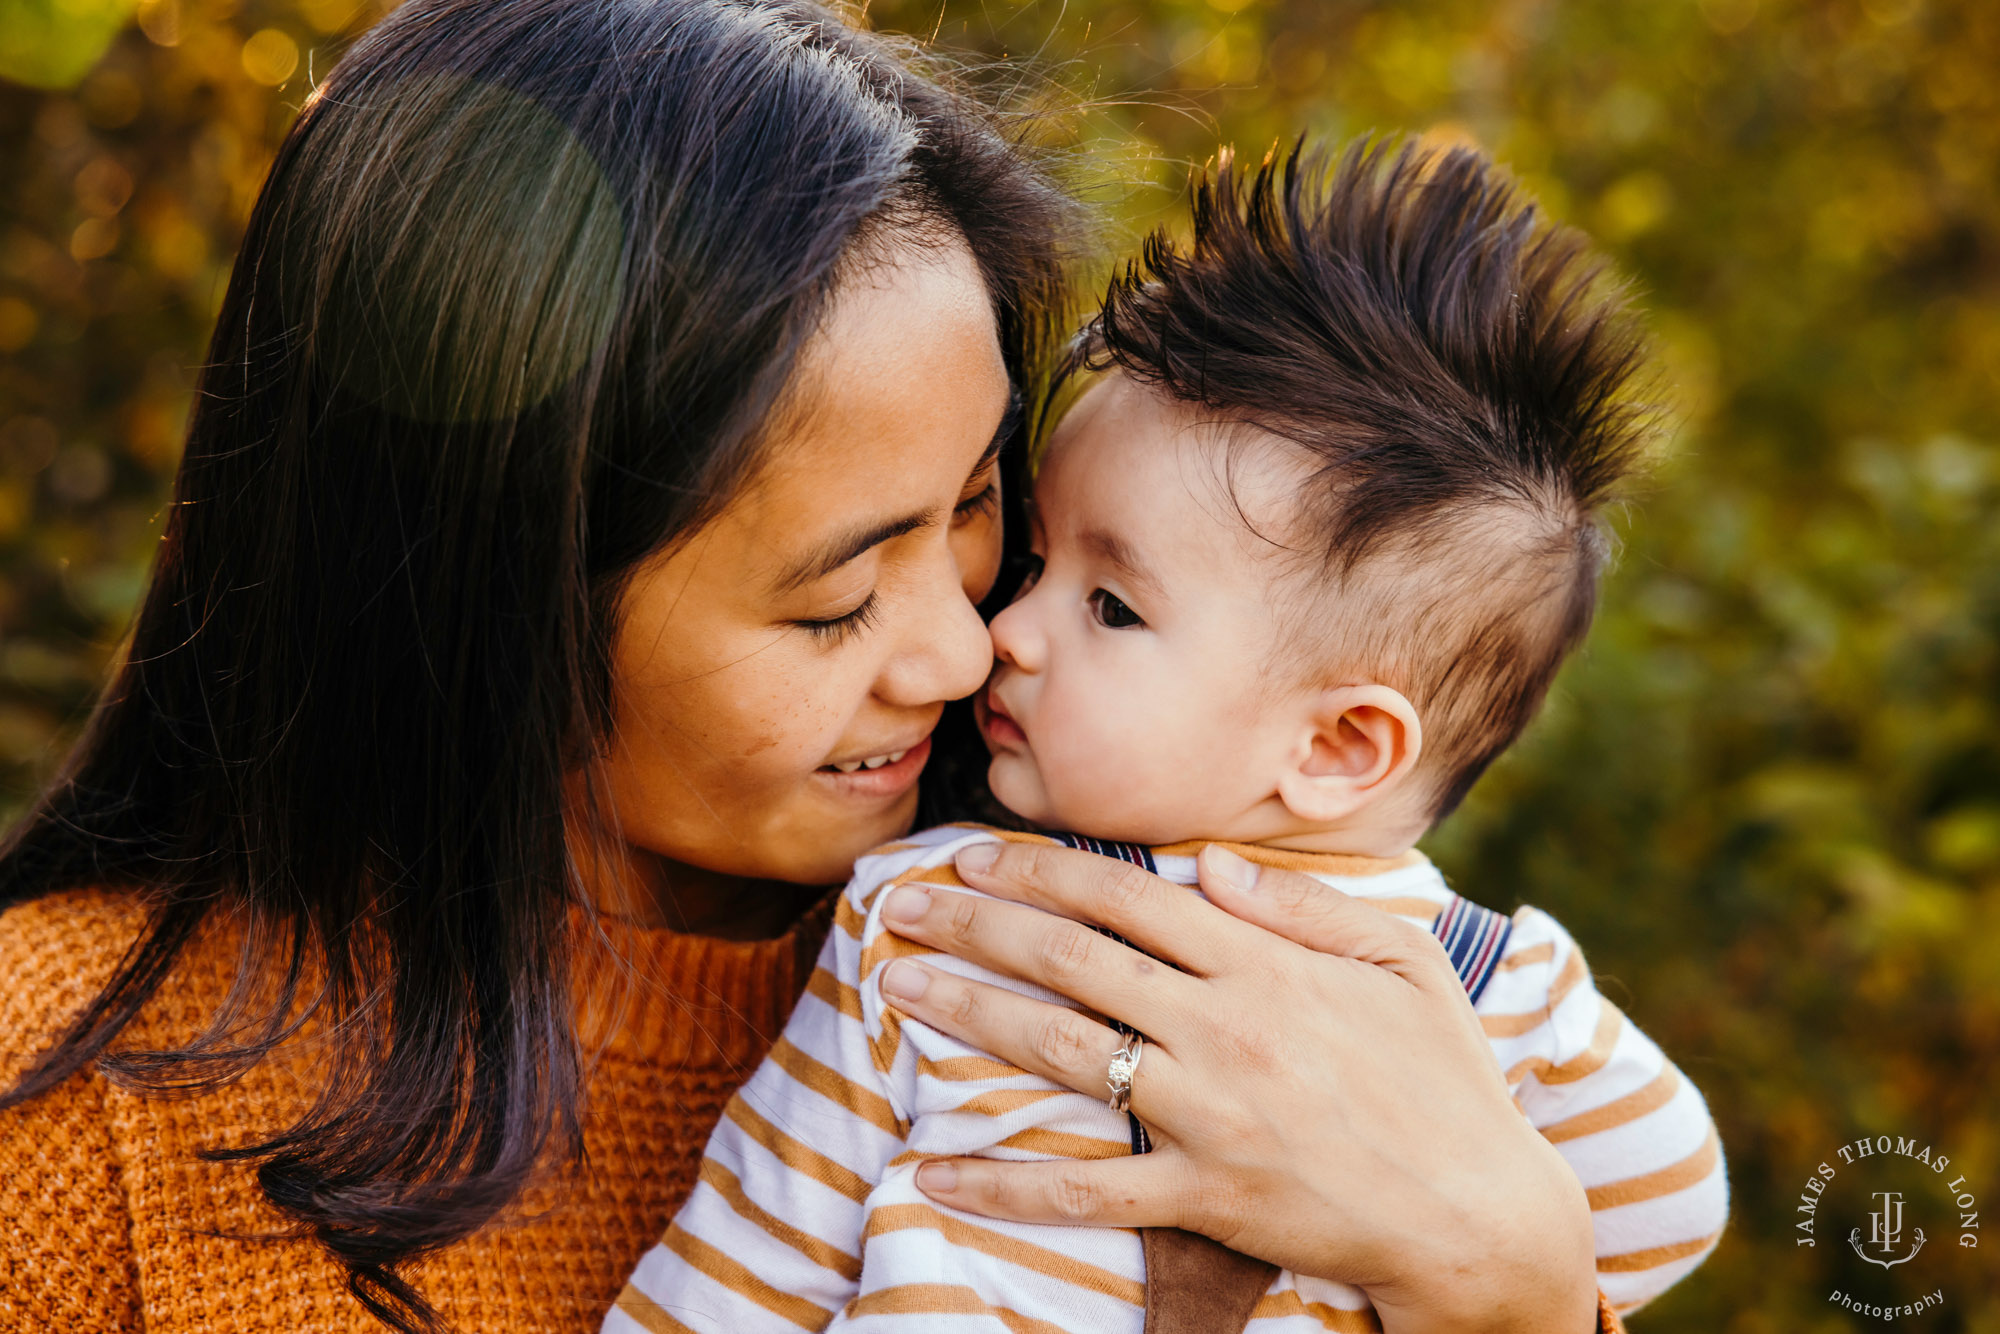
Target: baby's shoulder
(1540,965)
(924,856)
(1523,961)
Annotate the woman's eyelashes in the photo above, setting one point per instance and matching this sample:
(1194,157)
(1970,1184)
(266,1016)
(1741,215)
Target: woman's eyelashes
(1111,612)
(837,629)
(985,502)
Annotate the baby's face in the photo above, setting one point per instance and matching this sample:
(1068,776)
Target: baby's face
(1134,694)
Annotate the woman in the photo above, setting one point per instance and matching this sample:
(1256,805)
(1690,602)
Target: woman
(598,464)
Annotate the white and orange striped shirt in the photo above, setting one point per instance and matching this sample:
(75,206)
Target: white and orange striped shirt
(807,1214)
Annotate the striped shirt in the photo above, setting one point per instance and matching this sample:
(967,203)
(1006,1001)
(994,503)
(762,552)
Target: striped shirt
(807,1214)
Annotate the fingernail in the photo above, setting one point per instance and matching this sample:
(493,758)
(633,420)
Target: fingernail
(978,858)
(905,981)
(1230,869)
(907,905)
(939,1178)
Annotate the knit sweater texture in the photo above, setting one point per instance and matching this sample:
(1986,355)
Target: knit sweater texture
(111,1220)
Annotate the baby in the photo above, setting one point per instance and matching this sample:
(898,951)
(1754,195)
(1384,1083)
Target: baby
(1308,553)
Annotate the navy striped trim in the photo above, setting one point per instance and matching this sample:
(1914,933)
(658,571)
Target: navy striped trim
(1475,938)
(1141,857)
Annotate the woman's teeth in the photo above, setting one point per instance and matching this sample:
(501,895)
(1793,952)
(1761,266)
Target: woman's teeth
(849,766)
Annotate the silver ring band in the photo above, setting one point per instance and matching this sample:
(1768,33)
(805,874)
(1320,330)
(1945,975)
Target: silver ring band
(1124,1062)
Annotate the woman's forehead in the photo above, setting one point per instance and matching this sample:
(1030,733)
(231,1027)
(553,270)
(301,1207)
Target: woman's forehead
(898,394)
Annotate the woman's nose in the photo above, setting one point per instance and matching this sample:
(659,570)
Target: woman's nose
(948,654)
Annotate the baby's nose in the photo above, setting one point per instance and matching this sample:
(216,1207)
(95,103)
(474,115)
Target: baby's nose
(1017,638)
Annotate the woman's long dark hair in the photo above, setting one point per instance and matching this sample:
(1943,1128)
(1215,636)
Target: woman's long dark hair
(523,281)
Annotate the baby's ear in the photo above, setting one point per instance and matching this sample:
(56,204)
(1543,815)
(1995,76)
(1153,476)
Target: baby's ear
(1359,744)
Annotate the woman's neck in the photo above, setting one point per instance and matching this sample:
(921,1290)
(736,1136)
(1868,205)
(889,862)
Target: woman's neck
(649,890)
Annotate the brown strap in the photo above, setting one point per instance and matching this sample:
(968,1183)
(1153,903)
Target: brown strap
(1198,1286)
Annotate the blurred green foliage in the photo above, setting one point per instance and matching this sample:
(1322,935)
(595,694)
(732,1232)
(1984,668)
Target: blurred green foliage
(1767,796)
(53,43)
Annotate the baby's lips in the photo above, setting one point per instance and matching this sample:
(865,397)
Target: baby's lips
(996,724)
(985,708)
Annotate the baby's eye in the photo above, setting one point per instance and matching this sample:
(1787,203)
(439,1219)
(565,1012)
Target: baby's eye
(1112,613)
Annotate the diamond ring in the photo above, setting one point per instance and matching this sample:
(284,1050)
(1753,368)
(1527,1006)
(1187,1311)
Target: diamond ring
(1124,1062)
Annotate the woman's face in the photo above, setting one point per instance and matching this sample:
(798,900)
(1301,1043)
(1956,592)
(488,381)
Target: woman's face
(818,624)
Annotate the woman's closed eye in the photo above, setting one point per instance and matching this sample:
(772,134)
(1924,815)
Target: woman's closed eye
(986,500)
(837,629)
(1111,611)
(845,625)
(979,504)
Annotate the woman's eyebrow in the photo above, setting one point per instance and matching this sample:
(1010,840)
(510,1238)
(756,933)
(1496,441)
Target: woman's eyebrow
(830,555)
(1010,421)
(992,452)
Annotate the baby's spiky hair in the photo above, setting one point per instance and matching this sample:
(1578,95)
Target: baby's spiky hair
(1460,378)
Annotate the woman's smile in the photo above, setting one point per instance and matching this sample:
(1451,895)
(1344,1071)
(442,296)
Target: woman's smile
(884,775)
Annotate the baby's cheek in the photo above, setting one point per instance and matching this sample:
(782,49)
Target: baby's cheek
(1017,786)
(1173,774)
(1109,783)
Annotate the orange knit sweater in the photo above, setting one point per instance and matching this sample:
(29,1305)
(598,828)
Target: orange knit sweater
(110,1221)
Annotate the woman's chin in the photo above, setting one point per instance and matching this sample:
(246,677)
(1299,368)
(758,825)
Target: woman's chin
(827,857)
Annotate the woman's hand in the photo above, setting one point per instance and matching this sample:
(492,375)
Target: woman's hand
(1318,1089)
